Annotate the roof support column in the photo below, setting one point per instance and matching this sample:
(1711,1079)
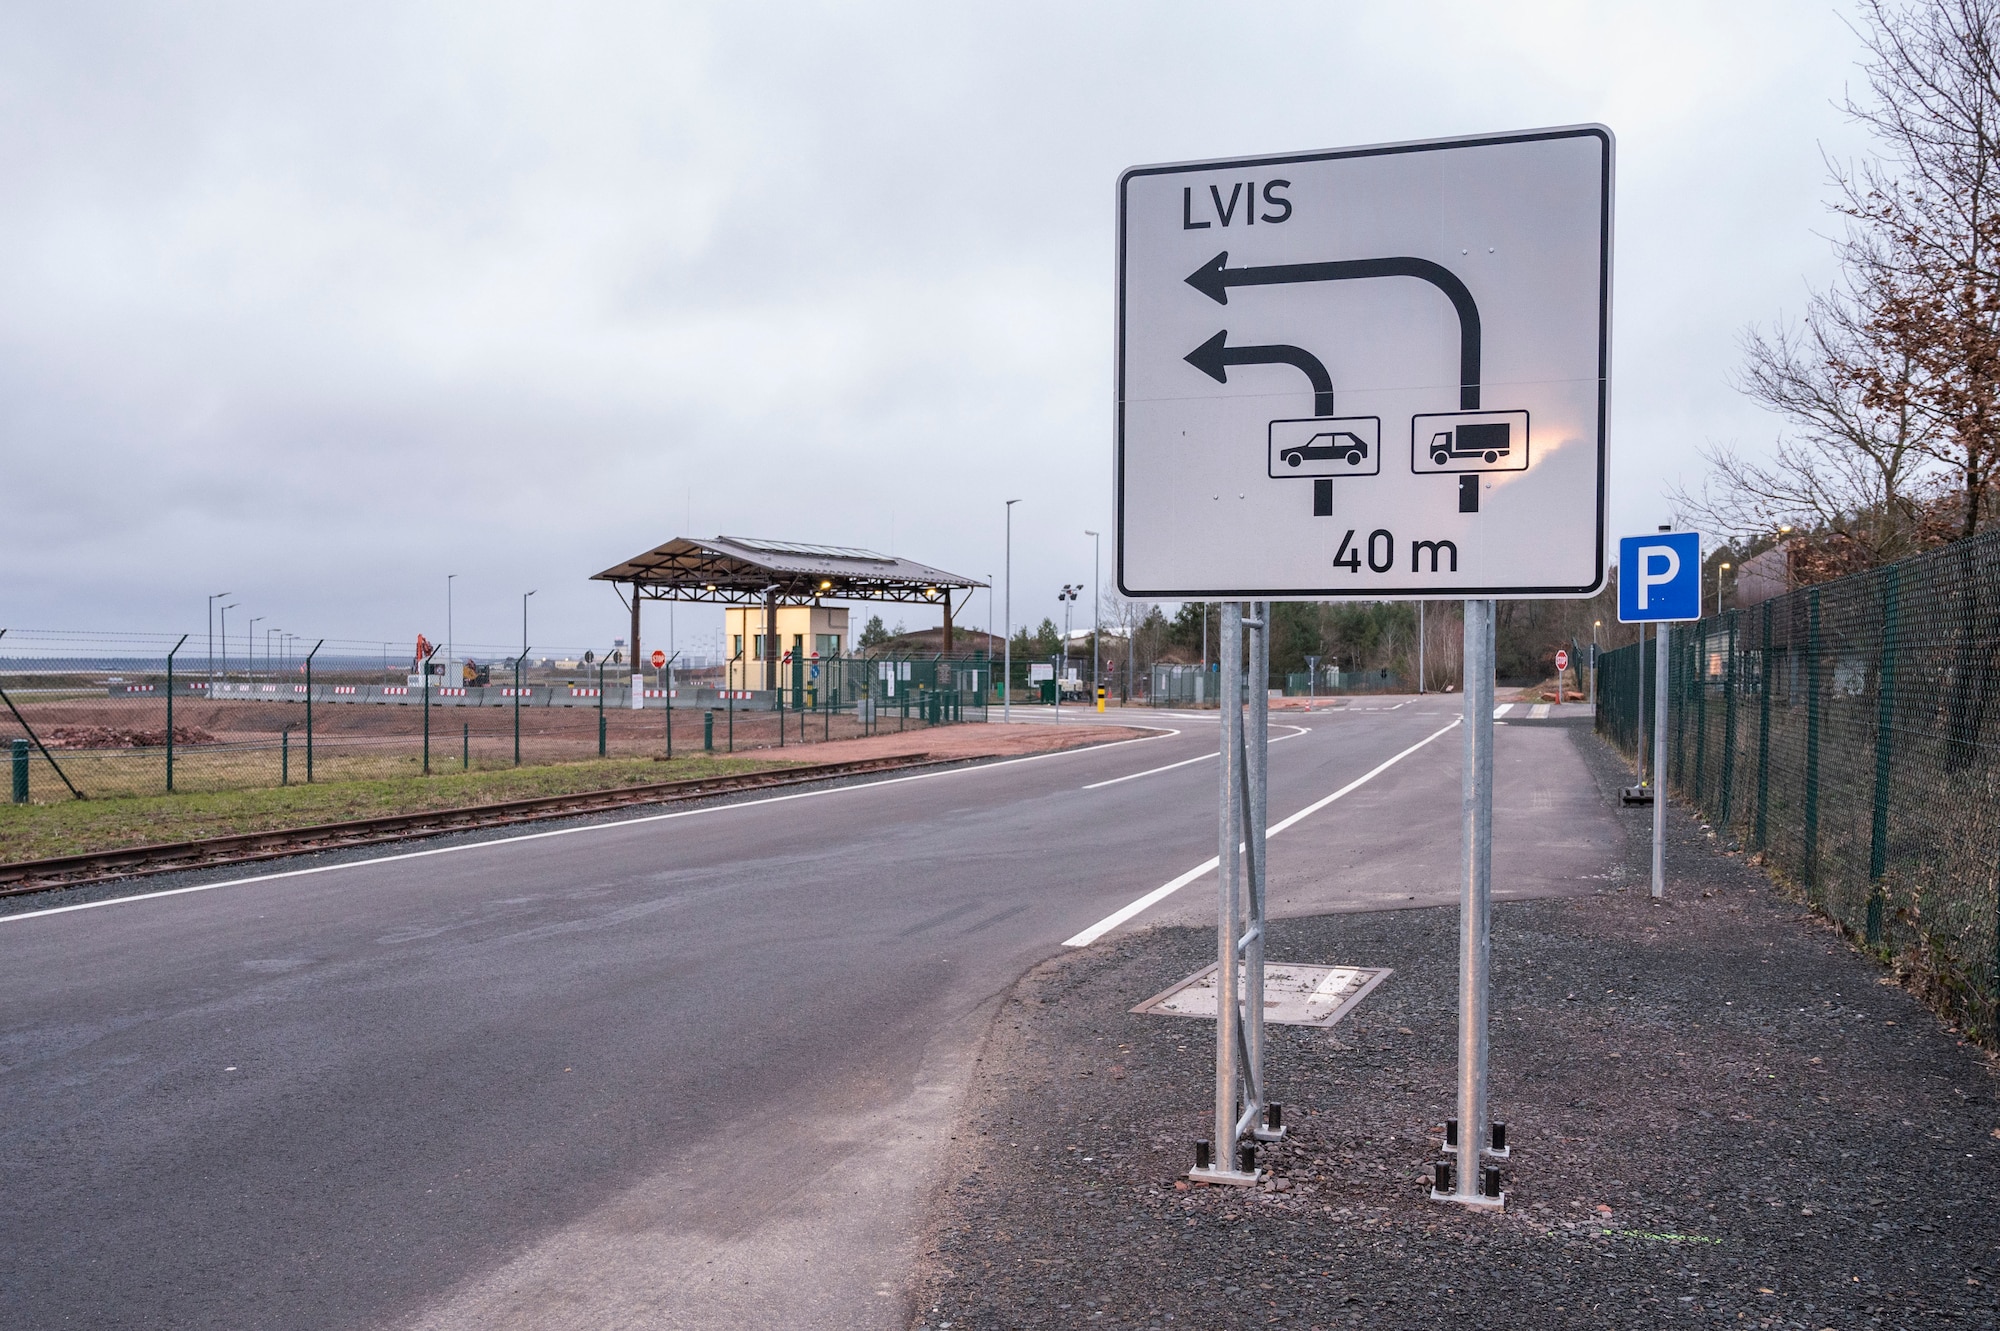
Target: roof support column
(947,621)
(638,677)
(771,639)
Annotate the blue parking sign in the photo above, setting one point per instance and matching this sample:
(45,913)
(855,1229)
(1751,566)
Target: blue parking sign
(1659,577)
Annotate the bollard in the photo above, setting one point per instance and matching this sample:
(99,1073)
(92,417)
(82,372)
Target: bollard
(708,731)
(600,725)
(20,771)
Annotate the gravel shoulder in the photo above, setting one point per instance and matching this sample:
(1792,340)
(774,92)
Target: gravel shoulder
(1721,1115)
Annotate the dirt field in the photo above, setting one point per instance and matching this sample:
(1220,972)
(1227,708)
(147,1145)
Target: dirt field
(113,747)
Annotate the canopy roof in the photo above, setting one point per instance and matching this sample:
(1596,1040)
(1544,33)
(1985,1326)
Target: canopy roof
(736,570)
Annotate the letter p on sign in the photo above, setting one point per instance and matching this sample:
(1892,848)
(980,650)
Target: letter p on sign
(1659,577)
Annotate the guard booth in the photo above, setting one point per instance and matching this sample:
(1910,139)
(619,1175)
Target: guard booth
(785,634)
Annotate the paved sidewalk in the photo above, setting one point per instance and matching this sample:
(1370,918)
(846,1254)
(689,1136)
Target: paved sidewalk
(1721,1116)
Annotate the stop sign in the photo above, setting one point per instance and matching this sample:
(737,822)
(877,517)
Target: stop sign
(659,658)
(1562,660)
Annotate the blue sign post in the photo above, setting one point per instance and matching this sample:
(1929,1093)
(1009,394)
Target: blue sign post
(1659,582)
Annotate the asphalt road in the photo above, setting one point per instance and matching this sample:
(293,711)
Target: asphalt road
(690,1069)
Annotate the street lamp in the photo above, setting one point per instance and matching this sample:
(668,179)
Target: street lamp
(450,653)
(1096,619)
(222,614)
(211,634)
(1007,625)
(1595,625)
(250,644)
(1720,569)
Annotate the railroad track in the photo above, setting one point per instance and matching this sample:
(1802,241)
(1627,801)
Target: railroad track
(139,861)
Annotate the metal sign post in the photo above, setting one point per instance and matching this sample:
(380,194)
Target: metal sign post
(1242,1108)
(1379,373)
(1661,639)
(1472,1183)
(1659,583)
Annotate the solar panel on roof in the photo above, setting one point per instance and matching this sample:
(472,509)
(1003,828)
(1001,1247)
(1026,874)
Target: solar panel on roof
(822,551)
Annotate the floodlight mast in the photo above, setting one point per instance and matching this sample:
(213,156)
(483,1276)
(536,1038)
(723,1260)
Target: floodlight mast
(1007,625)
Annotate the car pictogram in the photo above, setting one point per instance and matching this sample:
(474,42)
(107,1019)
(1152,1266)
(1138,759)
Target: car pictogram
(1327,446)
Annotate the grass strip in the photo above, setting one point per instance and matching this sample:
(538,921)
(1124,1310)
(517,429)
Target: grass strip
(41,831)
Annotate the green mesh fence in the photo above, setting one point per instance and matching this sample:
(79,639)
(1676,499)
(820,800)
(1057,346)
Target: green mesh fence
(1851,733)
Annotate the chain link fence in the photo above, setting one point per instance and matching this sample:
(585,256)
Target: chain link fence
(1850,734)
(104,716)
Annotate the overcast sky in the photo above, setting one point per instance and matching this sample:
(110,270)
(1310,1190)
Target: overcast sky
(322,304)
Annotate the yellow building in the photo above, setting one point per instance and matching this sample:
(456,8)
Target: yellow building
(803,631)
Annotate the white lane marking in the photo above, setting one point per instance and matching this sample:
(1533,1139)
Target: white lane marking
(567,831)
(1200,757)
(1539,712)
(1159,894)
(1503,709)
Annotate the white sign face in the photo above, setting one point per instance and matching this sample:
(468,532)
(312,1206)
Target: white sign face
(1373,372)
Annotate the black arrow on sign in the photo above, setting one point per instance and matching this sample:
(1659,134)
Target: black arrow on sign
(1214,357)
(1213,280)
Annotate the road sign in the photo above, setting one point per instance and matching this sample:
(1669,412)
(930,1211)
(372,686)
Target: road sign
(1372,372)
(659,659)
(1562,659)
(1659,577)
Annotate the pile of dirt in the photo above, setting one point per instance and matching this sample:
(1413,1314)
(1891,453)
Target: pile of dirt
(115,737)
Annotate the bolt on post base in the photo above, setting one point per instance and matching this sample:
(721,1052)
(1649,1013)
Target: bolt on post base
(1496,1148)
(1234,1178)
(1273,1129)
(1487,1196)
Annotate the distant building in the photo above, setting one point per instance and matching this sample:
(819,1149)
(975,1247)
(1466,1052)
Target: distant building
(1761,577)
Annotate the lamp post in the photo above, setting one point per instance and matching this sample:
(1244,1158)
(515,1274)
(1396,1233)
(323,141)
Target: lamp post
(1312,679)
(1007,625)
(222,615)
(1096,619)
(250,644)
(450,653)
(211,634)
(1595,625)
(1720,569)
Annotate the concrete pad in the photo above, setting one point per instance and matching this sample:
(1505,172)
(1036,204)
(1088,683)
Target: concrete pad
(1294,995)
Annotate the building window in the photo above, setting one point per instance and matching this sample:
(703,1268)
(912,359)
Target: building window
(739,648)
(827,644)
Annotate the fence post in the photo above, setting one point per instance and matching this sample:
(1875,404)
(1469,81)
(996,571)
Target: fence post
(309,708)
(170,713)
(519,661)
(1728,726)
(20,755)
(1764,731)
(708,731)
(424,664)
(1698,682)
(1809,867)
(465,753)
(1885,712)
(600,703)
(285,756)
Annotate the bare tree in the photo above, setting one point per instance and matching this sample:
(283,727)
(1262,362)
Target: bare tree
(1844,467)
(1923,247)
(1890,386)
